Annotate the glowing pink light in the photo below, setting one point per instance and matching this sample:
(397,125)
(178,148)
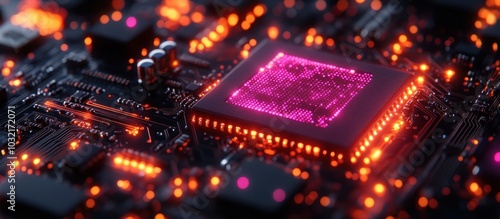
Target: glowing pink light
(497,157)
(279,195)
(300,89)
(131,22)
(243,182)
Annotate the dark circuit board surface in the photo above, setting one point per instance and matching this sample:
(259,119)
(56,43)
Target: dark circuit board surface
(249,109)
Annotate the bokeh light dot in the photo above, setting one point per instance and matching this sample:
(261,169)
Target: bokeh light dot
(279,195)
(243,182)
(131,22)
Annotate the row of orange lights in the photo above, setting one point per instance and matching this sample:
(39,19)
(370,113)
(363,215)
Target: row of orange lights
(271,140)
(487,16)
(215,33)
(220,30)
(381,124)
(136,164)
(7,68)
(312,38)
(179,13)
(311,197)
(246,48)
(209,88)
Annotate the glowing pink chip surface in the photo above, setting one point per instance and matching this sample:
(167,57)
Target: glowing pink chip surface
(300,89)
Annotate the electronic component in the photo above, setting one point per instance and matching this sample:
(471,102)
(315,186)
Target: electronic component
(16,39)
(281,87)
(260,186)
(170,48)
(117,41)
(161,61)
(53,199)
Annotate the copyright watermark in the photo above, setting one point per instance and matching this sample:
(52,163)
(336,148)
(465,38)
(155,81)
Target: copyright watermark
(11,157)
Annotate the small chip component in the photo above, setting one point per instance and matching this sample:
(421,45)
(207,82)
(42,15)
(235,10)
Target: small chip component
(117,41)
(53,199)
(16,39)
(261,186)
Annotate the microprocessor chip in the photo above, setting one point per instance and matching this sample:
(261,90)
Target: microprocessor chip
(260,186)
(299,97)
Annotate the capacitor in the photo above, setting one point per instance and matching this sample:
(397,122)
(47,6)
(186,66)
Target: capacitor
(170,48)
(161,61)
(146,71)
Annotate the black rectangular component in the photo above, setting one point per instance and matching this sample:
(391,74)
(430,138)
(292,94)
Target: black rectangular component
(16,39)
(42,195)
(260,186)
(117,41)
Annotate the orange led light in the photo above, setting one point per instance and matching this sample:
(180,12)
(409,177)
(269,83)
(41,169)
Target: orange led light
(15,82)
(90,203)
(64,47)
(36,161)
(273,32)
(376,5)
(259,10)
(104,19)
(197,17)
(116,16)
(95,190)
(423,201)
(424,67)
(369,202)
(9,64)
(192,184)
(449,73)
(88,41)
(6,72)
(149,195)
(413,29)
(178,181)
(178,192)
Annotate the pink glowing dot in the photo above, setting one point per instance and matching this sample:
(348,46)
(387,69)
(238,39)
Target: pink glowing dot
(279,195)
(243,182)
(131,22)
(497,157)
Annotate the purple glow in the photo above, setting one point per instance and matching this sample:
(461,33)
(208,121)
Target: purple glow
(131,22)
(300,89)
(243,182)
(279,195)
(497,157)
